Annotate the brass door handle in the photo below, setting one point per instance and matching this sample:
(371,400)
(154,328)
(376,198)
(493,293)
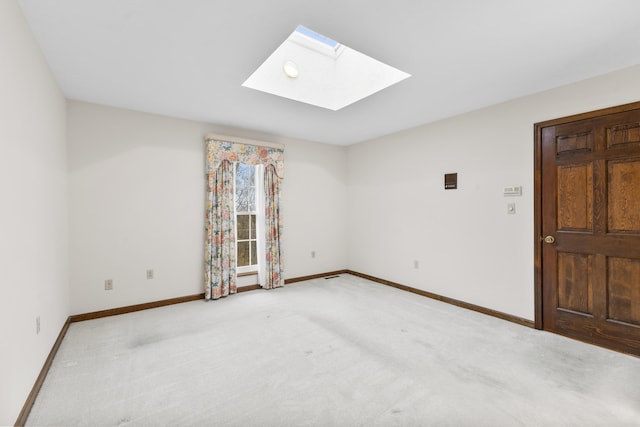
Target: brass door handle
(549,239)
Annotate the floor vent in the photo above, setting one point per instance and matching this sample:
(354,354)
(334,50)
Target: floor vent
(330,277)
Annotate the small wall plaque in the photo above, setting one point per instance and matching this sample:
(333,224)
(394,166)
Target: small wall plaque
(450,181)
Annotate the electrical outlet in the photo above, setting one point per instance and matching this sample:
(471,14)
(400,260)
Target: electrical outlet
(37,325)
(149,274)
(108,285)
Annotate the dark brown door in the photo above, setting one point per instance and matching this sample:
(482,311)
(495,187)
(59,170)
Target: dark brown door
(588,173)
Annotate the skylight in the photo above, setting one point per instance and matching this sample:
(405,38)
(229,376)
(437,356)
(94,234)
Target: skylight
(312,68)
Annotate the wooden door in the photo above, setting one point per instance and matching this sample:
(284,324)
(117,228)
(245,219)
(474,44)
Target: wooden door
(588,209)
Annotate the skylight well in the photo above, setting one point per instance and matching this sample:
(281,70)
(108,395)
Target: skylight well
(312,68)
(306,37)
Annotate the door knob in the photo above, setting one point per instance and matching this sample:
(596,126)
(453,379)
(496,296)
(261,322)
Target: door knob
(549,239)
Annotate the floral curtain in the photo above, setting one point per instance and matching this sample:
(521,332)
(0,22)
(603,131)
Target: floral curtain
(220,247)
(220,262)
(274,265)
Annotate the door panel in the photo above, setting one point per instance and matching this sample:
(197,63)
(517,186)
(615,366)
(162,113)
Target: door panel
(575,197)
(574,282)
(623,296)
(623,135)
(624,196)
(588,178)
(574,142)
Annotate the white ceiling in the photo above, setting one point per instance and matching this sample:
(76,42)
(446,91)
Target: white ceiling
(188,58)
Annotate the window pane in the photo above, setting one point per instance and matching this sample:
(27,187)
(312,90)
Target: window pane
(243,254)
(254,253)
(245,195)
(252,199)
(245,188)
(241,202)
(253,227)
(243,226)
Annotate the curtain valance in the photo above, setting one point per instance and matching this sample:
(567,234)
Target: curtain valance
(217,151)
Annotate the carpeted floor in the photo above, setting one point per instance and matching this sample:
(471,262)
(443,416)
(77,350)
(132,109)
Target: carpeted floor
(338,352)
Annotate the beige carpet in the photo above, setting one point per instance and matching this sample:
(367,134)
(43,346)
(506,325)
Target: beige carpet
(339,352)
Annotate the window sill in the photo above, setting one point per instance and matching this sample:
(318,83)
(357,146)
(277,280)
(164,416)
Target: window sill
(247,273)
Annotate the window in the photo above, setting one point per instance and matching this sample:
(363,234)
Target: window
(245,201)
(234,188)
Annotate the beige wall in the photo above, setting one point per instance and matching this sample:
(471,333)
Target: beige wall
(33,214)
(137,203)
(466,244)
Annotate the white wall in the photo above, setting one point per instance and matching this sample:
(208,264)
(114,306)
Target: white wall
(467,247)
(137,203)
(314,208)
(33,214)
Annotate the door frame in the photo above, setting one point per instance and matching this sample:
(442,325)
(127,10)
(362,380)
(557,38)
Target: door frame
(537,191)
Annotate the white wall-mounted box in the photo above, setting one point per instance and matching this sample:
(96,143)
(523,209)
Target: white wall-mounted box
(513,191)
